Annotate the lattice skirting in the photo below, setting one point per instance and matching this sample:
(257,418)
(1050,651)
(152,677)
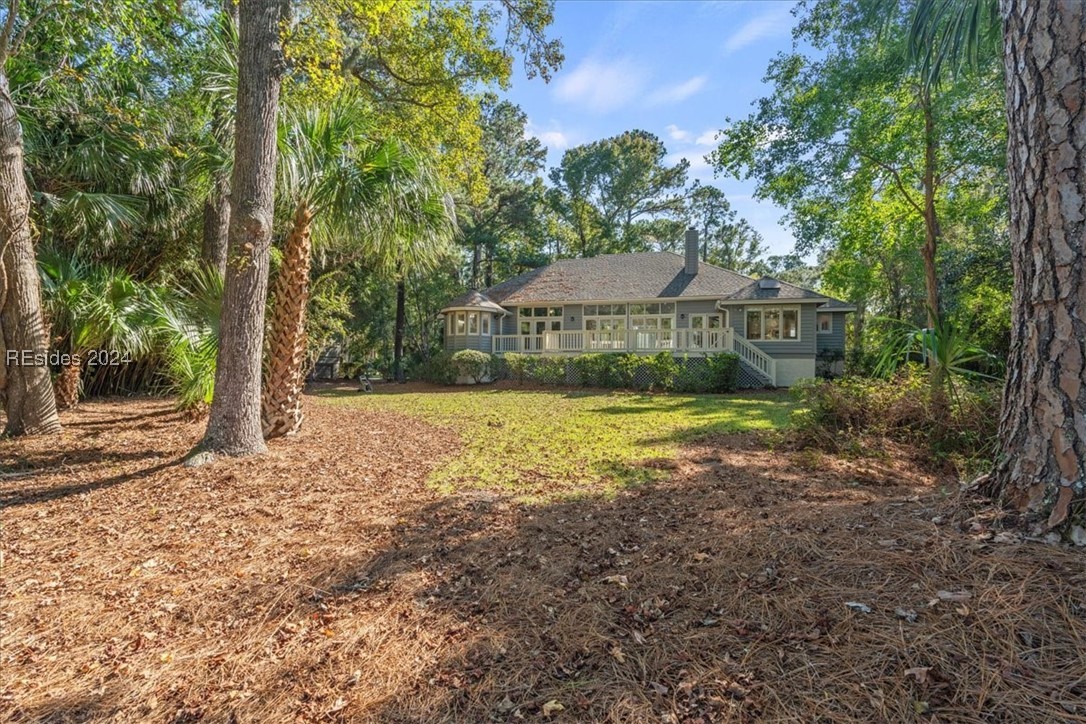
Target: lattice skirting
(694,375)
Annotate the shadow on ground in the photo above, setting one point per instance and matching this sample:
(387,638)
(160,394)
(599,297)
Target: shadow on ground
(326,582)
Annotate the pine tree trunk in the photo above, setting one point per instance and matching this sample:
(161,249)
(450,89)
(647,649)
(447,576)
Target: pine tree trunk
(217,225)
(285,370)
(1042,429)
(28,400)
(401,323)
(234,426)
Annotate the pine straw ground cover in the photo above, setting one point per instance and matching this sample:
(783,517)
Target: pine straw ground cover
(327,581)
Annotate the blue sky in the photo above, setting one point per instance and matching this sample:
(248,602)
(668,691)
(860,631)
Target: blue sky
(676,69)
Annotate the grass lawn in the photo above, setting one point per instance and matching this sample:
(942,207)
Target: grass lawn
(544,443)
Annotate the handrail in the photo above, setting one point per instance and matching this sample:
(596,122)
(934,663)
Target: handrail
(755,357)
(642,340)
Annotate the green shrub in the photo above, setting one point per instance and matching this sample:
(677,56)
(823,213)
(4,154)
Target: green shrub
(518,365)
(549,370)
(723,371)
(472,363)
(663,369)
(593,369)
(840,412)
(624,369)
(439,369)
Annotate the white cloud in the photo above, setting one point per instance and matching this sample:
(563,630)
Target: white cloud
(772,23)
(677,134)
(677,92)
(554,138)
(708,138)
(601,86)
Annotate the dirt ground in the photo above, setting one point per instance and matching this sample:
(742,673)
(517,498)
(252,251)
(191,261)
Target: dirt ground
(326,582)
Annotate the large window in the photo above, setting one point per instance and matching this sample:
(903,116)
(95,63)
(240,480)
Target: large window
(773,323)
(537,320)
(461,323)
(486,324)
(605,317)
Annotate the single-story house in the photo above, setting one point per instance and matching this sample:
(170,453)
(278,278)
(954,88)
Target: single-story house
(651,301)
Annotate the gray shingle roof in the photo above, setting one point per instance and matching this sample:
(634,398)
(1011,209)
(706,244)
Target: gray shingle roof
(642,275)
(474,298)
(624,277)
(755,292)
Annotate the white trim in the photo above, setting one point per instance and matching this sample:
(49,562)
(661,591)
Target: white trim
(818,323)
(492,310)
(757,302)
(620,300)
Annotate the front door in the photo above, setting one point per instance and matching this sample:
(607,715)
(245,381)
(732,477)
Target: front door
(706,331)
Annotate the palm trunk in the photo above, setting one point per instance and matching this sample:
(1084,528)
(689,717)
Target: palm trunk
(29,402)
(1042,429)
(401,323)
(66,385)
(234,425)
(284,374)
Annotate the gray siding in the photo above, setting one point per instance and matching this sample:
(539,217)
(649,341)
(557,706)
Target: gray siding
(693,306)
(803,348)
(509,322)
(576,311)
(457,342)
(835,340)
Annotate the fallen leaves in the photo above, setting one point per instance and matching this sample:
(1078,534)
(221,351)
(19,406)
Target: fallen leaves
(552,707)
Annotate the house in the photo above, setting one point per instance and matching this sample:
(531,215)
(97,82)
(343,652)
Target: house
(651,301)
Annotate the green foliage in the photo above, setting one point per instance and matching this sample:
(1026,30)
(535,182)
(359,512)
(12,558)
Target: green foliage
(723,371)
(437,369)
(548,370)
(853,182)
(187,331)
(472,363)
(91,306)
(519,366)
(944,347)
(840,413)
(663,368)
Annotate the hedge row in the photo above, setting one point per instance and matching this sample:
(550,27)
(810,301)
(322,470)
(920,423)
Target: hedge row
(616,370)
(662,371)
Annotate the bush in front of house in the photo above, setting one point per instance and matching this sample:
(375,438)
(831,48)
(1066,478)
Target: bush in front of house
(472,364)
(662,369)
(438,369)
(723,371)
(549,370)
(661,372)
(518,365)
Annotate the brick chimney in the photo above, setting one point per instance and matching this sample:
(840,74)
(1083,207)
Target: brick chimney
(692,251)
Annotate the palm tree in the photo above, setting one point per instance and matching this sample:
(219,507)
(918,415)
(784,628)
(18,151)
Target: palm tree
(186,326)
(1042,465)
(91,308)
(346,189)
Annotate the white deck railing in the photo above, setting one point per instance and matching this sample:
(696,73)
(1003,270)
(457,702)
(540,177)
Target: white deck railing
(646,341)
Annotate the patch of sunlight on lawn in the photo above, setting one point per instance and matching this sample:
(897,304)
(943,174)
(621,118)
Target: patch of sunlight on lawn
(540,444)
